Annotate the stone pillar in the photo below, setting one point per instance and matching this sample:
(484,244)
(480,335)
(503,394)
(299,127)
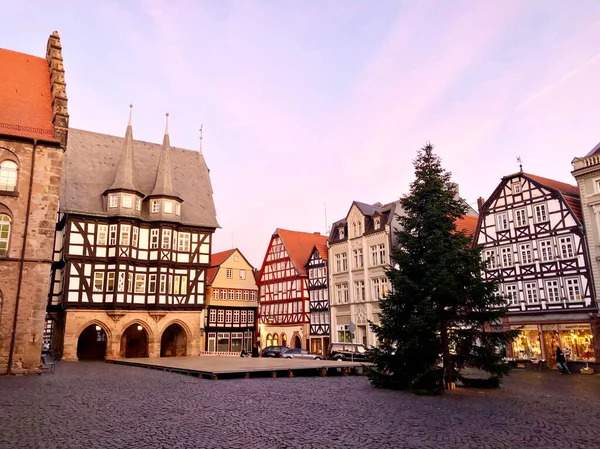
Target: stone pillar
(58,88)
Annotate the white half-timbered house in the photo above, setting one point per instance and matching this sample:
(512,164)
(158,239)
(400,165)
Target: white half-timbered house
(318,293)
(283,289)
(132,249)
(533,239)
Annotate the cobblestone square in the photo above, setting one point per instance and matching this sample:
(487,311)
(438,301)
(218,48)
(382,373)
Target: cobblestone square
(98,405)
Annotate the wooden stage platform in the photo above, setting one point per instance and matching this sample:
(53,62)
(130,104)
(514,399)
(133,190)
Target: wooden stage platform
(215,367)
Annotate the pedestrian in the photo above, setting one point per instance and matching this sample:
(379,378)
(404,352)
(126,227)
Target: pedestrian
(561,362)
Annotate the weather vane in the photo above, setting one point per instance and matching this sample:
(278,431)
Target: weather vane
(520,161)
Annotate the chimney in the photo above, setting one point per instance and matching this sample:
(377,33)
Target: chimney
(58,87)
(480,202)
(316,233)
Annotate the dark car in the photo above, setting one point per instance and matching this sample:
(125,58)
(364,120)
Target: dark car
(273,351)
(347,352)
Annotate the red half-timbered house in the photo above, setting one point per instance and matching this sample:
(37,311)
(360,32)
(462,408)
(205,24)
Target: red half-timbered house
(318,293)
(132,248)
(533,239)
(283,289)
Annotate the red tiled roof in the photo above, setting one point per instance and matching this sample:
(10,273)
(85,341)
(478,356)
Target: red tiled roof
(560,186)
(467,223)
(217,259)
(211,273)
(575,205)
(299,246)
(25,97)
(322,251)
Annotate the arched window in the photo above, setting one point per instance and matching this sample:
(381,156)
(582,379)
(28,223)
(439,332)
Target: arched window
(269,340)
(8,176)
(5,222)
(275,340)
(283,339)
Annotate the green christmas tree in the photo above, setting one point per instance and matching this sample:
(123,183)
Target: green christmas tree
(433,320)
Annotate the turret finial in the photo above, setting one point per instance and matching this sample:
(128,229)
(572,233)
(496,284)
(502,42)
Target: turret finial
(520,164)
(201,126)
(167,125)
(130,110)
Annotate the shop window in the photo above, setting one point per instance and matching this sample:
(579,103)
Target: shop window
(527,344)
(236,341)
(223,342)
(577,342)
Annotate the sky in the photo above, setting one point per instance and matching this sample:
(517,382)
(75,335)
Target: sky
(307,106)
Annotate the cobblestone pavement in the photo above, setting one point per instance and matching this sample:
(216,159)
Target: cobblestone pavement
(97,405)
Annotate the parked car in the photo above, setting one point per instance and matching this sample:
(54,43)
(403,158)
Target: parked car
(297,353)
(347,352)
(273,351)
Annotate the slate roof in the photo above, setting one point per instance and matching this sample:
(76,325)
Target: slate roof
(387,212)
(594,150)
(299,246)
(25,96)
(90,166)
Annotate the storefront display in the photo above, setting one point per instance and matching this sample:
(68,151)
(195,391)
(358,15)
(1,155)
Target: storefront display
(527,344)
(577,342)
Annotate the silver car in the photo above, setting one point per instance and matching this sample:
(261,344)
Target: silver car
(297,353)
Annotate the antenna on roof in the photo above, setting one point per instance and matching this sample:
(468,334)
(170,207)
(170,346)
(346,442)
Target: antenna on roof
(201,126)
(520,164)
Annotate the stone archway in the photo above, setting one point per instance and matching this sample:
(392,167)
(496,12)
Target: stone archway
(296,342)
(91,344)
(134,342)
(173,342)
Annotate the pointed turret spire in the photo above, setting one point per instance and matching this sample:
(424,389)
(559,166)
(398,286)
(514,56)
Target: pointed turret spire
(124,175)
(164,176)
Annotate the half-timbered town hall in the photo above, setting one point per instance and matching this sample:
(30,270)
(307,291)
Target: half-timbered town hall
(283,289)
(33,138)
(318,293)
(231,295)
(531,229)
(132,249)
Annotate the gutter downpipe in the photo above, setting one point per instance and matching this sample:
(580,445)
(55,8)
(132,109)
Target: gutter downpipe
(21,263)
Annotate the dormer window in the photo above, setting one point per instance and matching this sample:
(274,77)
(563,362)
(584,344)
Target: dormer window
(127,201)
(341,231)
(113,201)
(155,206)
(177,209)
(168,207)
(377,223)
(138,204)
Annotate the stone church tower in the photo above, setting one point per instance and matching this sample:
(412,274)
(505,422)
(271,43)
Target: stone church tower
(33,138)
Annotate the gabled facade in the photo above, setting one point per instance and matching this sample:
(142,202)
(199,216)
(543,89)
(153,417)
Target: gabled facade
(232,302)
(132,248)
(532,234)
(318,293)
(33,139)
(283,289)
(359,250)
